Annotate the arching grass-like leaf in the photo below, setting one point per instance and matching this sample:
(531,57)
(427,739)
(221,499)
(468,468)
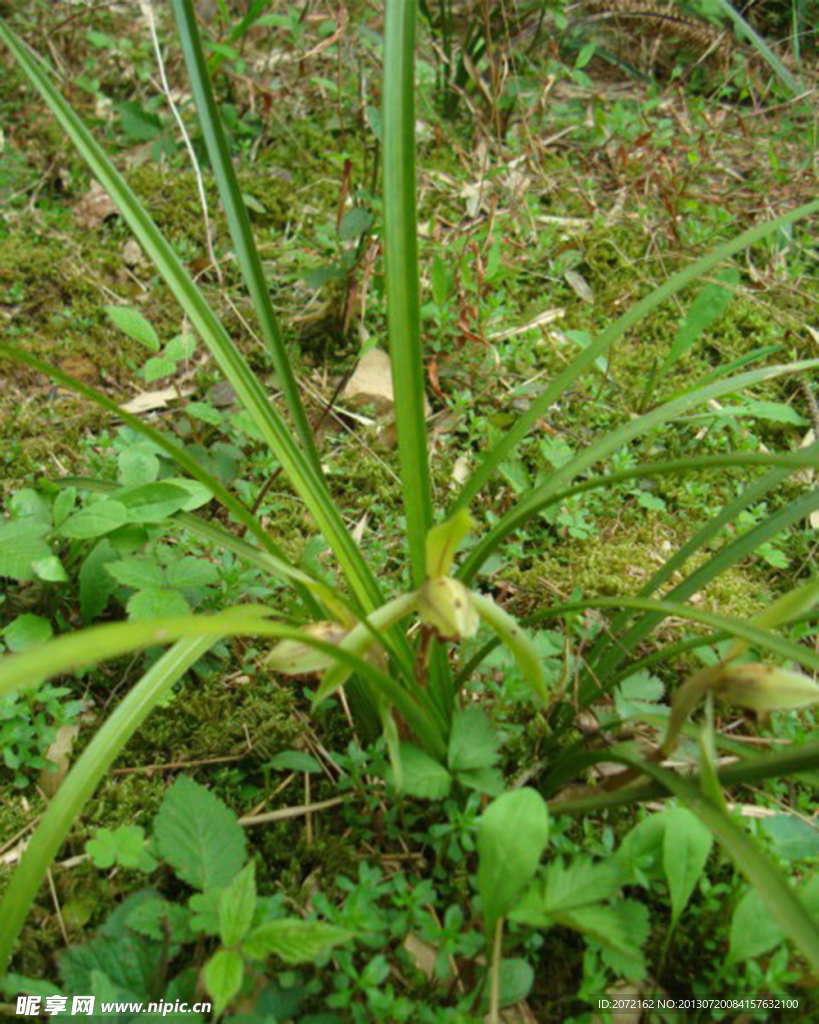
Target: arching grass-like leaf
(401,276)
(781,902)
(727,556)
(251,393)
(84,778)
(586,359)
(239,221)
(532,502)
(745,31)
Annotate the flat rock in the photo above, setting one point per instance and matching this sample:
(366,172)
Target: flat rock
(371,383)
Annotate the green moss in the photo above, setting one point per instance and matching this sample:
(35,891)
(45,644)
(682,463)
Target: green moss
(617,564)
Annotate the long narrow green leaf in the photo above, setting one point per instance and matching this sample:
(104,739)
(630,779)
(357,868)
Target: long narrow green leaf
(401,265)
(586,359)
(672,652)
(784,610)
(745,31)
(712,528)
(725,517)
(310,587)
(748,764)
(239,221)
(781,901)
(515,638)
(663,609)
(362,637)
(802,459)
(310,486)
(728,556)
(535,500)
(753,769)
(111,640)
(83,779)
(185,461)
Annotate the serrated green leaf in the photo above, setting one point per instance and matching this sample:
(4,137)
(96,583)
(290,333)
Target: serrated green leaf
(22,541)
(96,584)
(205,412)
(642,686)
(124,845)
(161,920)
(709,305)
(474,742)
(137,572)
(223,975)
(294,761)
(237,904)
(422,775)
(192,572)
(156,368)
(204,907)
(621,929)
(131,322)
(293,940)
(137,466)
(483,780)
(512,835)
(183,346)
(155,602)
(568,887)
(50,569)
(27,631)
(639,695)
(95,520)
(13,985)
(130,961)
(199,836)
(686,847)
(355,222)
(516,474)
(153,502)
(138,124)
(320,276)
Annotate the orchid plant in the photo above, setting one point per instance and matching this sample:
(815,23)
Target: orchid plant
(399,658)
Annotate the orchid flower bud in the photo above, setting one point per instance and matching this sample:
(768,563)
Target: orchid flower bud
(765,688)
(446,604)
(296,658)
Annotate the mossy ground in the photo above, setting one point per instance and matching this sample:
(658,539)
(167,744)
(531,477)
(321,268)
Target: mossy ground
(56,274)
